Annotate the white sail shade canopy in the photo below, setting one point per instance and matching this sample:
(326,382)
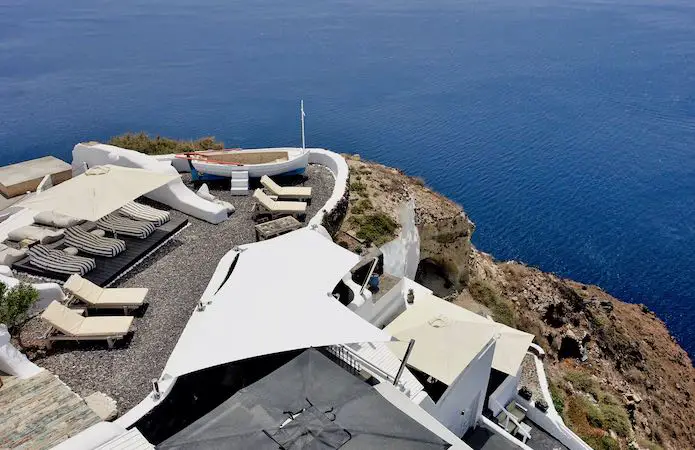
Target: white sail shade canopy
(276,298)
(97,192)
(448,337)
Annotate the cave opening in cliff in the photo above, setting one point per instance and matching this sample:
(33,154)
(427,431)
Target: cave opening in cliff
(434,277)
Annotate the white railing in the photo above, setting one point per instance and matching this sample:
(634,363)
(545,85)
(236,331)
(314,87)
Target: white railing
(515,421)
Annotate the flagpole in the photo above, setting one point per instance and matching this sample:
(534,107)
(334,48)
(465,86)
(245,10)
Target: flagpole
(302,116)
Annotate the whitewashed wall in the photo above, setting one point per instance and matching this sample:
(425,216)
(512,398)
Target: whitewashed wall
(463,393)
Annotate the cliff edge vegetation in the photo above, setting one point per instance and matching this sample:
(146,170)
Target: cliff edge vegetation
(617,376)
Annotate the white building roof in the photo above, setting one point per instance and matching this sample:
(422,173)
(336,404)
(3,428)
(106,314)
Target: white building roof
(448,337)
(276,299)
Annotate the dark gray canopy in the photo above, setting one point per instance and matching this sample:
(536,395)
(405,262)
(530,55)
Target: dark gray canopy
(309,403)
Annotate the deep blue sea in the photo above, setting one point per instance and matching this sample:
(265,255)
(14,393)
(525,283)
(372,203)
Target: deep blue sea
(565,128)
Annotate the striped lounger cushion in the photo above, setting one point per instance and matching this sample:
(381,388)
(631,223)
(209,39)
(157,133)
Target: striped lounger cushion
(139,211)
(125,226)
(94,245)
(58,261)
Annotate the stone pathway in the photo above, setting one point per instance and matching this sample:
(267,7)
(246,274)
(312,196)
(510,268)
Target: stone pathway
(40,412)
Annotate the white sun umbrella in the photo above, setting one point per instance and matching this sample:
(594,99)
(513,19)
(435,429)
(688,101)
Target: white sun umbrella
(97,192)
(448,337)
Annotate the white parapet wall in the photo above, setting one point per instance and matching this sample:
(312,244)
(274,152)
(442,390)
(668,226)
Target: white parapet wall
(339,168)
(174,193)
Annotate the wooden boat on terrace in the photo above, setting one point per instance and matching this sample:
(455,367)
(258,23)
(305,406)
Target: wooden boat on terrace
(212,164)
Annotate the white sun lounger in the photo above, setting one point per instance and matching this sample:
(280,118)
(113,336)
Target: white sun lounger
(277,208)
(283,192)
(67,325)
(34,233)
(94,245)
(139,211)
(96,297)
(58,261)
(126,226)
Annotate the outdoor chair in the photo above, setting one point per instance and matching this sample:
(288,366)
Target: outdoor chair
(286,193)
(66,324)
(94,296)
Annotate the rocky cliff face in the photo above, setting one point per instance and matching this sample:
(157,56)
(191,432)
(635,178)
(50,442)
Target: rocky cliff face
(616,373)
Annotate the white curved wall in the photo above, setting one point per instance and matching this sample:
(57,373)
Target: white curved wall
(174,193)
(339,168)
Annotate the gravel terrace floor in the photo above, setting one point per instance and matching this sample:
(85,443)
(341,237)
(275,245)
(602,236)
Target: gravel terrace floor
(176,275)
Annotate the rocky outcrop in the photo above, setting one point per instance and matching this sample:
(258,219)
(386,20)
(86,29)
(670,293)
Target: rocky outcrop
(597,347)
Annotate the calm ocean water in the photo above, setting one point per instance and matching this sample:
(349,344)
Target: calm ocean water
(566,129)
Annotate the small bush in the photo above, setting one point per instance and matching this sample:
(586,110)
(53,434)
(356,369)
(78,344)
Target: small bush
(377,228)
(358,187)
(361,206)
(594,415)
(15,303)
(158,145)
(604,442)
(558,396)
(615,418)
(501,309)
(582,381)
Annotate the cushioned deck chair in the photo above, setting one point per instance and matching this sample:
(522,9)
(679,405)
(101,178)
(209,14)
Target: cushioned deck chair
(126,226)
(34,233)
(277,208)
(90,243)
(58,261)
(139,211)
(283,192)
(96,297)
(67,325)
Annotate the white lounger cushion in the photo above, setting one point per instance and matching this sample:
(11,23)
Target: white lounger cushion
(275,206)
(58,261)
(97,297)
(285,191)
(34,233)
(9,255)
(126,226)
(94,245)
(72,324)
(54,219)
(139,211)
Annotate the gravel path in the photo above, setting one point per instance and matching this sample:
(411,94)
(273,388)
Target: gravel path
(529,377)
(176,276)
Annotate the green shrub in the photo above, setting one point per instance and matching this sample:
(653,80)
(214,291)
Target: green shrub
(582,381)
(358,187)
(361,206)
(501,309)
(615,418)
(158,145)
(604,442)
(377,228)
(15,303)
(558,396)
(594,415)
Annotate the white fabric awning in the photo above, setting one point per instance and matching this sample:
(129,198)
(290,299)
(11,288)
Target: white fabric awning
(97,192)
(276,299)
(448,337)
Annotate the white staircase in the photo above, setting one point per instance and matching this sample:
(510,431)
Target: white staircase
(240,183)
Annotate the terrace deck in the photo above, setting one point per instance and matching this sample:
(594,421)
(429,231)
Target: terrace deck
(108,269)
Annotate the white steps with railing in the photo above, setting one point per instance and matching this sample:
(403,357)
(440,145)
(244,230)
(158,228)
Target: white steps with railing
(380,362)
